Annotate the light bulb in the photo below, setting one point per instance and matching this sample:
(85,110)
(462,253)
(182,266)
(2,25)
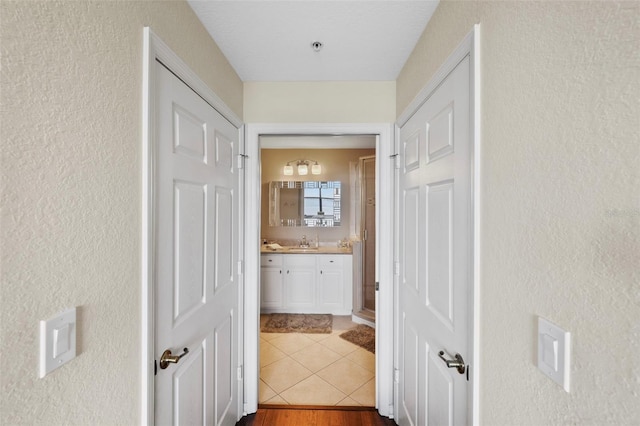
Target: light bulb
(316,169)
(288,170)
(302,169)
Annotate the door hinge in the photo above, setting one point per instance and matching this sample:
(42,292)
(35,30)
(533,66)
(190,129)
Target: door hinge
(155,367)
(240,267)
(396,375)
(377,286)
(241,158)
(396,268)
(240,372)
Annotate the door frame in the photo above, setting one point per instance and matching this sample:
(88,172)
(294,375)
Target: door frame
(154,49)
(470,46)
(384,221)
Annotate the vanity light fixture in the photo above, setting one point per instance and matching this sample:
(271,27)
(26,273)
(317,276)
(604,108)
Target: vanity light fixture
(302,166)
(288,170)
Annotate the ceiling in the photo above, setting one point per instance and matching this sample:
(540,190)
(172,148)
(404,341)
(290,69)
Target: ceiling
(363,40)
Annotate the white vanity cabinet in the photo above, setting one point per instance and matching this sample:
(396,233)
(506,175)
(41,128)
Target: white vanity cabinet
(271,281)
(299,282)
(306,283)
(331,282)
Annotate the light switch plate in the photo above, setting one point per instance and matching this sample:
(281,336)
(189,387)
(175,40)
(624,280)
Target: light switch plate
(57,341)
(554,352)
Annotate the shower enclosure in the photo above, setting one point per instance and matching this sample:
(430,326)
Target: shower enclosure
(365,294)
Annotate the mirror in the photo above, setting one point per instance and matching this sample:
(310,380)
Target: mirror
(308,203)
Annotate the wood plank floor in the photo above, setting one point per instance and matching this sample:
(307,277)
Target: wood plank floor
(314,416)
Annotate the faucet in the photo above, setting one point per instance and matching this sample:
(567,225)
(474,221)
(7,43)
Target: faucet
(304,243)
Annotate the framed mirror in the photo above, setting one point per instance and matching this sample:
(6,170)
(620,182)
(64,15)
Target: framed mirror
(304,203)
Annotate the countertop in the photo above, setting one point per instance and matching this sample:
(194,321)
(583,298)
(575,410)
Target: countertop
(311,250)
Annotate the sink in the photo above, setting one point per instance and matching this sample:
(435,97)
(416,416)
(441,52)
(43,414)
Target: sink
(276,248)
(301,249)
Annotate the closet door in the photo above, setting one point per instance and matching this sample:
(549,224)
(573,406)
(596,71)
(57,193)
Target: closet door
(435,256)
(196,315)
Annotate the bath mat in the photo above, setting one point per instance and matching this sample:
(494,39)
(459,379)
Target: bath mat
(363,336)
(298,323)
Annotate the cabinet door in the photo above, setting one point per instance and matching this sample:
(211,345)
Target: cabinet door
(271,290)
(330,282)
(300,282)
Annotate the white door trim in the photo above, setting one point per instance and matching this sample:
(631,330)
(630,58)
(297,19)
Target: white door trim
(384,223)
(155,49)
(470,47)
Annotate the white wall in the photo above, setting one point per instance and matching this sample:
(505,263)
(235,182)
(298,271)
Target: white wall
(561,201)
(320,102)
(71,194)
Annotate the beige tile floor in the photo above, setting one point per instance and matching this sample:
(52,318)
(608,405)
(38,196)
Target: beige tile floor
(315,369)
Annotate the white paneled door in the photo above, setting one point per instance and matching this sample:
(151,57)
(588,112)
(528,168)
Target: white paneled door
(436,256)
(197,232)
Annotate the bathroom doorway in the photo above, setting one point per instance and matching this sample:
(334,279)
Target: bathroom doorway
(383,135)
(302,368)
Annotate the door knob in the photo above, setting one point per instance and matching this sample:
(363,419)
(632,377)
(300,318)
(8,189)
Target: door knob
(167,358)
(458,363)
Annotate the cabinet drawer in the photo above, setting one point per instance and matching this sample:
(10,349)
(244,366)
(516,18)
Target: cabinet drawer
(271,260)
(330,261)
(301,260)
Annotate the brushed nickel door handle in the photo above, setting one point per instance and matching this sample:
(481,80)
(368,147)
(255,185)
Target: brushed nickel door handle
(458,363)
(167,358)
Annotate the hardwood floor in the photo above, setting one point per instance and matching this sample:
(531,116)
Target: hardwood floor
(314,416)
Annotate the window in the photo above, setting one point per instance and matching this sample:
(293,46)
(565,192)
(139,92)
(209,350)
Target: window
(321,203)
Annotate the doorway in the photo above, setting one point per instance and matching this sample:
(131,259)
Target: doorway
(323,208)
(384,336)
(437,247)
(177,201)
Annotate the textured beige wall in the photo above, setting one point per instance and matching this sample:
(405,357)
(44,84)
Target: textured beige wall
(71,176)
(561,205)
(335,166)
(320,102)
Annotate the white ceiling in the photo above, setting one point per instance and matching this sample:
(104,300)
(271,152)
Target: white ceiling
(363,40)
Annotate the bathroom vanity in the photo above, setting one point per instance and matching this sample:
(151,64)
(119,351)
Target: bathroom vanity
(307,281)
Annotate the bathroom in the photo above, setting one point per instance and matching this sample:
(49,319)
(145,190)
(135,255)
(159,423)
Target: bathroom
(318,264)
